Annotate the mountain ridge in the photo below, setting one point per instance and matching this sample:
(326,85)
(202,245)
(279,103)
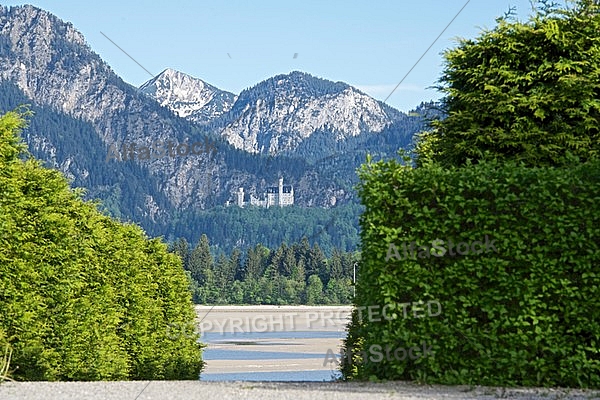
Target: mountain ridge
(278,113)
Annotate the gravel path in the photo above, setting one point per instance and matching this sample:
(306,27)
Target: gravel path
(167,390)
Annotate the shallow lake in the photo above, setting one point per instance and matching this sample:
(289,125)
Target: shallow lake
(276,355)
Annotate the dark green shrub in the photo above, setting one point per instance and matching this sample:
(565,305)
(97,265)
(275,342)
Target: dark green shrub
(525,91)
(524,315)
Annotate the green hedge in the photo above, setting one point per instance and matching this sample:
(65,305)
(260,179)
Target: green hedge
(83,297)
(526,315)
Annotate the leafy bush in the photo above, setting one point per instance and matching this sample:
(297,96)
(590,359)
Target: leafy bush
(524,315)
(526,91)
(83,297)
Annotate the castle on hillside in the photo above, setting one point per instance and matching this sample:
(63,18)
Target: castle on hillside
(281,195)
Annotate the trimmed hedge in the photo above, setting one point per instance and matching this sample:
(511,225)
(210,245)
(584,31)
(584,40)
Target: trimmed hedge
(526,315)
(83,297)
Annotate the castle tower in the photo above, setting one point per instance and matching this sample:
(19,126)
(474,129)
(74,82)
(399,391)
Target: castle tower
(240,197)
(280,192)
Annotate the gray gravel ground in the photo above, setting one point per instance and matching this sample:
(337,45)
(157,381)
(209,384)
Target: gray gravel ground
(167,390)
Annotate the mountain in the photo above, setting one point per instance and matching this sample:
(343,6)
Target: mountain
(287,126)
(49,62)
(188,97)
(276,115)
(279,113)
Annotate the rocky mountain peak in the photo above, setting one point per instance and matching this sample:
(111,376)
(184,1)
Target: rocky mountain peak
(280,112)
(188,97)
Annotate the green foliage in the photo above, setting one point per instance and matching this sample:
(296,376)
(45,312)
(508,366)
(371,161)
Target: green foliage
(296,274)
(524,315)
(522,142)
(525,91)
(83,297)
(234,227)
(314,291)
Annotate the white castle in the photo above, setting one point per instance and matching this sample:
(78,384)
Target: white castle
(282,195)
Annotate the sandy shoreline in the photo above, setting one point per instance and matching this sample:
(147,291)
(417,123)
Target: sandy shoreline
(272,318)
(241,331)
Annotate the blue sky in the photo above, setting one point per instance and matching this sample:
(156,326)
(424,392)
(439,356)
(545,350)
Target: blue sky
(235,44)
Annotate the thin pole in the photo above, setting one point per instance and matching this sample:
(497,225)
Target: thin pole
(354,279)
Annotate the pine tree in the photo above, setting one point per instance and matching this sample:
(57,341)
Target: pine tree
(201,261)
(335,262)
(236,264)
(314,290)
(181,247)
